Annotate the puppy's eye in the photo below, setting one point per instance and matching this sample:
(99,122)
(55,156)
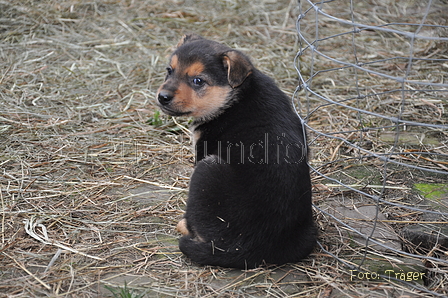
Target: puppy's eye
(169,71)
(198,81)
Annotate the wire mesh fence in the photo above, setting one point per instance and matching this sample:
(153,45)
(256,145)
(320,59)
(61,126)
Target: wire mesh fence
(373,93)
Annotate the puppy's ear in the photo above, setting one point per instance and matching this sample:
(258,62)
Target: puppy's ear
(238,67)
(187,38)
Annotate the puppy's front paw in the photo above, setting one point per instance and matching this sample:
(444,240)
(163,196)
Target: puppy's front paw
(182,227)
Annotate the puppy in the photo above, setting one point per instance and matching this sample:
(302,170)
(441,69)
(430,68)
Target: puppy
(249,199)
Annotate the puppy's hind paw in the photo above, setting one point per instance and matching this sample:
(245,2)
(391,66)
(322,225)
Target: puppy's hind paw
(182,226)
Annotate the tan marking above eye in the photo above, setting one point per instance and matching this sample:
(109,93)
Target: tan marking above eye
(195,69)
(174,61)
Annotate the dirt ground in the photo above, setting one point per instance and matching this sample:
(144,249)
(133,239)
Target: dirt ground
(94,179)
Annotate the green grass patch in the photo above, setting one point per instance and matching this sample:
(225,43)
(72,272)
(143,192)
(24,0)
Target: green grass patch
(432,190)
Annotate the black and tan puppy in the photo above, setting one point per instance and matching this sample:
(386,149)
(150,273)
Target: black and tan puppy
(249,200)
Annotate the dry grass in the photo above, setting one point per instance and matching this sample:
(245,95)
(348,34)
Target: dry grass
(93,179)
(347,131)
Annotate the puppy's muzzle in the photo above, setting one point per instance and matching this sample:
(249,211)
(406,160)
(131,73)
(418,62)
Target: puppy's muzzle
(165,97)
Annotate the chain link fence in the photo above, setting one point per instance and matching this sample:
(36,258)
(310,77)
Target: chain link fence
(373,93)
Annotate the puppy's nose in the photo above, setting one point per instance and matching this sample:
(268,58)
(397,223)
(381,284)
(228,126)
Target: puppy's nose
(165,97)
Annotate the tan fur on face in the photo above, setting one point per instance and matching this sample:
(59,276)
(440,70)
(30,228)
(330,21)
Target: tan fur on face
(204,102)
(201,106)
(195,69)
(208,105)
(174,61)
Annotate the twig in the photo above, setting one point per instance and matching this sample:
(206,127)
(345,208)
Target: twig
(27,271)
(155,183)
(31,224)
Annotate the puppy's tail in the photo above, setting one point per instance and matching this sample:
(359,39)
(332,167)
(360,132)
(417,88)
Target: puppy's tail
(209,253)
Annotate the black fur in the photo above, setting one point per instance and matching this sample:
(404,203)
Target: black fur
(249,200)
